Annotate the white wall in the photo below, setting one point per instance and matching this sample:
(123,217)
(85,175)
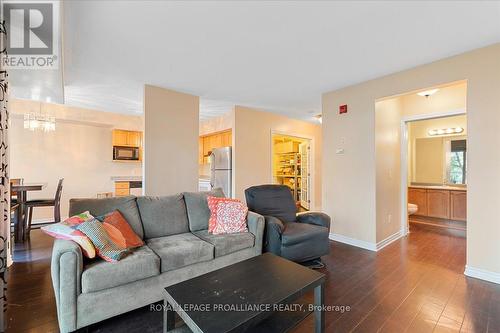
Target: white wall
(171,141)
(349,192)
(388,156)
(80,151)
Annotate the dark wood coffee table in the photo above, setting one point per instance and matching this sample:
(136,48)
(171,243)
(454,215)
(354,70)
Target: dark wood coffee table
(254,295)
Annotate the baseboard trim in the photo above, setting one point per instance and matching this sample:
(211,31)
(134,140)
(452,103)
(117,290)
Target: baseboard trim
(392,238)
(366,245)
(354,242)
(482,274)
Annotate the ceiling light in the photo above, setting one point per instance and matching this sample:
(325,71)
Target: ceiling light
(44,122)
(427,93)
(445,131)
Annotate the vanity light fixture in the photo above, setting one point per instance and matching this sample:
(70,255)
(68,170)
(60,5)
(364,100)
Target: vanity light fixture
(427,93)
(445,131)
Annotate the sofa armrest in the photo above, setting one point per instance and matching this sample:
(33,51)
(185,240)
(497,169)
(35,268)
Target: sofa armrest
(66,270)
(272,235)
(255,224)
(315,218)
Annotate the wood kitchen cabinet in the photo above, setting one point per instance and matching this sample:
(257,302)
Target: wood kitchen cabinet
(122,189)
(227,139)
(438,203)
(200,150)
(211,141)
(418,197)
(127,138)
(458,204)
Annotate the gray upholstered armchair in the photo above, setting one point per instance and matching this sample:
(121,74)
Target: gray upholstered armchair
(298,237)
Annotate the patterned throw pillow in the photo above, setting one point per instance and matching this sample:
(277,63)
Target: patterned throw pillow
(119,231)
(105,247)
(67,229)
(227,216)
(212,205)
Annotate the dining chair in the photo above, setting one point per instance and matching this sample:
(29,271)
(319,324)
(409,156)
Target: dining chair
(13,194)
(55,202)
(14,203)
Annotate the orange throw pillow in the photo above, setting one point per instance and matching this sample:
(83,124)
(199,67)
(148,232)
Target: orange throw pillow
(227,215)
(119,231)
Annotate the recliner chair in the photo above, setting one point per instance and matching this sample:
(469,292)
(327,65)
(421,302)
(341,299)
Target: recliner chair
(297,237)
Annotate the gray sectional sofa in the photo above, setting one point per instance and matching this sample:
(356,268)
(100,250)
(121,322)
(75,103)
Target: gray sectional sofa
(177,247)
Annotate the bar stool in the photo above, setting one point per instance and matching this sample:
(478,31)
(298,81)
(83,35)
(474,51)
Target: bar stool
(56,202)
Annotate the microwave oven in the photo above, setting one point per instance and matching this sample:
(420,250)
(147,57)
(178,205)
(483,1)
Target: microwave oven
(125,153)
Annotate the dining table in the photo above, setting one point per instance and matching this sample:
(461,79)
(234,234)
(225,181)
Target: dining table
(22,196)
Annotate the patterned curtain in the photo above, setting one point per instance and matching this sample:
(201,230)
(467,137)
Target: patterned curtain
(4,179)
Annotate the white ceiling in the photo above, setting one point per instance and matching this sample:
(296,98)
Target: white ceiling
(279,56)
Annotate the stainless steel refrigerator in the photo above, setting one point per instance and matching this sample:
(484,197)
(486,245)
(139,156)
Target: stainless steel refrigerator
(220,169)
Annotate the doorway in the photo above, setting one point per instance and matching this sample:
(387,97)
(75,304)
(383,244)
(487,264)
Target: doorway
(435,183)
(291,166)
(437,197)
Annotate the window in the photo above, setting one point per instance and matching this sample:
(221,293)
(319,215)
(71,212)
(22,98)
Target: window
(457,163)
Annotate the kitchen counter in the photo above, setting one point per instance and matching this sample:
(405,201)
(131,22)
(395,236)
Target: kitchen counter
(204,183)
(440,187)
(126,178)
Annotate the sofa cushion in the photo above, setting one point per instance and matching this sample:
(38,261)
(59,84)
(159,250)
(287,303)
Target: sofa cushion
(227,243)
(302,232)
(180,250)
(142,263)
(127,206)
(163,216)
(197,208)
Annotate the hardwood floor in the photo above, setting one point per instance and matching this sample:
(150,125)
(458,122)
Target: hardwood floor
(413,285)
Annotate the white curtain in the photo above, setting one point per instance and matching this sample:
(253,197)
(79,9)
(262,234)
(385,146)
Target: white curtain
(4,176)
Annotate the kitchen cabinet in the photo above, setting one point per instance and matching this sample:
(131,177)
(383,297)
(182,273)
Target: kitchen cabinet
(207,145)
(458,204)
(127,138)
(122,189)
(200,150)
(418,197)
(227,139)
(438,203)
(450,204)
(128,187)
(211,141)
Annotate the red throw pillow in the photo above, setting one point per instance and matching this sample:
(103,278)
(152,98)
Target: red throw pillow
(227,216)
(119,231)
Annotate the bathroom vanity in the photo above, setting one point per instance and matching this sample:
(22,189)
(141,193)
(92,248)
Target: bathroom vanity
(444,202)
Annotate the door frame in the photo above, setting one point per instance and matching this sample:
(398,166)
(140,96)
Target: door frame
(312,165)
(404,158)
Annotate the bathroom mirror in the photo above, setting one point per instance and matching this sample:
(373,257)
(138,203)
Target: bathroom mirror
(456,161)
(440,160)
(429,161)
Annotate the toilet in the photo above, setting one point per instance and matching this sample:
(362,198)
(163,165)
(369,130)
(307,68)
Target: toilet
(412,208)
